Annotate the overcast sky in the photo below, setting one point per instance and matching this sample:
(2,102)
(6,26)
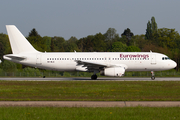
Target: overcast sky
(81,18)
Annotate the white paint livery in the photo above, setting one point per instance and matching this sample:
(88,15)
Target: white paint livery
(107,63)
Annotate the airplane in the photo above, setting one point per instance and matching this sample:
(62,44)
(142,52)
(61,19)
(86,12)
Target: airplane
(106,63)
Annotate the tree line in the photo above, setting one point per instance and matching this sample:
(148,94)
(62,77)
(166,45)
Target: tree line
(162,40)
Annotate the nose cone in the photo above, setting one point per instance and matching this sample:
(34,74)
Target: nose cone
(173,64)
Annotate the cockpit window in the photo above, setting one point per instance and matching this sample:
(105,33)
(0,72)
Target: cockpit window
(165,58)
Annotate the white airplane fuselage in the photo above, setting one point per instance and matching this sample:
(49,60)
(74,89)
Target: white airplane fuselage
(65,61)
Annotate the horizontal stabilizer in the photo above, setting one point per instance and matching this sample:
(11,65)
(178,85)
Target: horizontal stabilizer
(14,57)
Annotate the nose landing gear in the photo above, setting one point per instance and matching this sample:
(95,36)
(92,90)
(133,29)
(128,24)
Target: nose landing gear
(152,75)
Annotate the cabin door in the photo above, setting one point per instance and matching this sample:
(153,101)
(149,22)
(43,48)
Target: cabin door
(38,59)
(153,59)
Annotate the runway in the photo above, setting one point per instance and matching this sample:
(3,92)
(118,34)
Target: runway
(90,103)
(88,79)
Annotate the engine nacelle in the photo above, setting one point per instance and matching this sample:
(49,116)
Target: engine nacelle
(113,71)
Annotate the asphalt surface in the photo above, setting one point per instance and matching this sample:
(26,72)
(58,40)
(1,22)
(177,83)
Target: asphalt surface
(99,79)
(90,103)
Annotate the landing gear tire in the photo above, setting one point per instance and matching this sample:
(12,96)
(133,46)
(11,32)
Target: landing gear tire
(153,78)
(93,77)
(152,75)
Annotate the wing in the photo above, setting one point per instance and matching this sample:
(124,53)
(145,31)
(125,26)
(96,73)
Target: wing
(89,66)
(92,66)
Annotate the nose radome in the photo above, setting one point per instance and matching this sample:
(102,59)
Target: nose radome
(174,64)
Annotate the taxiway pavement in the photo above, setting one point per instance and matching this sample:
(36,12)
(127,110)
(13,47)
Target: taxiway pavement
(88,79)
(91,103)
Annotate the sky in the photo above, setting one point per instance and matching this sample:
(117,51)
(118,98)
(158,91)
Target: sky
(80,18)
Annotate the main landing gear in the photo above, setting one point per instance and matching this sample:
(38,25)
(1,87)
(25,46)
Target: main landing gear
(94,77)
(152,75)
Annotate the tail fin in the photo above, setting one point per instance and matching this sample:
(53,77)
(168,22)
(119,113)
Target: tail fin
(19,44)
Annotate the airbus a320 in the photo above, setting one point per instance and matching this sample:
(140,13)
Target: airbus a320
(106,63)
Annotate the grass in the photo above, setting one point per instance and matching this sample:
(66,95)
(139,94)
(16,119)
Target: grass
(55,113)
(90,90)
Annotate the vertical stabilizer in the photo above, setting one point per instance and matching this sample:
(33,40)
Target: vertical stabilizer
(19,44)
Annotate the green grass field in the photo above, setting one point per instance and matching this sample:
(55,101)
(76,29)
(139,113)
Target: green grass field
(90,90)
(55,113)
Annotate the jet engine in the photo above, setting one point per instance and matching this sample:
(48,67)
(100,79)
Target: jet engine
(113,71)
